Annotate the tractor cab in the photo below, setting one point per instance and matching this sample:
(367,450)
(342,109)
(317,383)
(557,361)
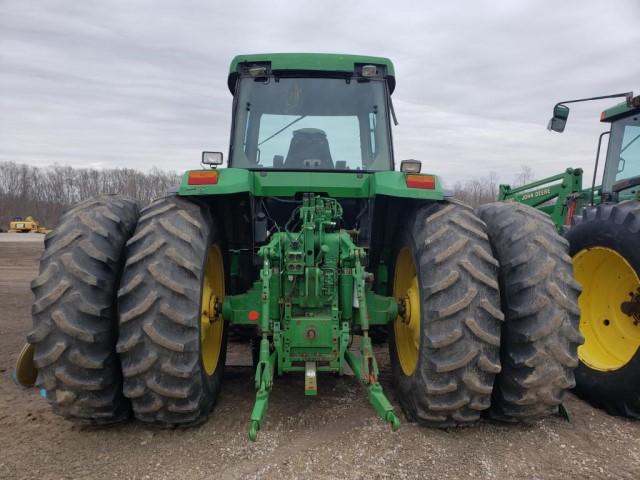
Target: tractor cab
(311,112)
(622,167)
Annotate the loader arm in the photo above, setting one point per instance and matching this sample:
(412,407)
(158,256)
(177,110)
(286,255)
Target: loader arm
(565,188)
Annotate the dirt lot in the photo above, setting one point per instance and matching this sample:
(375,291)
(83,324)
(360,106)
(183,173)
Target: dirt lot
(335,435)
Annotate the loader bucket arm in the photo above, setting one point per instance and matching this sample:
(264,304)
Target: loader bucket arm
(553,195)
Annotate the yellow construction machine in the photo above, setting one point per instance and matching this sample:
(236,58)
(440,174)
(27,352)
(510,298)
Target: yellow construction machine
(26,225)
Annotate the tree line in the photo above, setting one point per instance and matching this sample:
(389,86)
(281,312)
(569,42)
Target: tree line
(45,192)
(485,189)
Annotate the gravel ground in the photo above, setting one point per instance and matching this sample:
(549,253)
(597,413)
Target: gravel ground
(334,435)
(21,237)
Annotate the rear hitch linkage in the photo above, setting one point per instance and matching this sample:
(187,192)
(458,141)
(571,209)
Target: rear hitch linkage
(364,365)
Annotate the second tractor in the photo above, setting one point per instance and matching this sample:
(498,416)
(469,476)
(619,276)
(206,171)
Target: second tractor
(602,225)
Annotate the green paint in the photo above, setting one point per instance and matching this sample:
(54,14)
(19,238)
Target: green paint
(564,412)
(618,111)
(339,184)
(230,180)
(311,294)
(268,183)
(563,188)
(264,382)
(236,308)
(382,310)
(310,62)
(393,184)
(382,276)
(375,395)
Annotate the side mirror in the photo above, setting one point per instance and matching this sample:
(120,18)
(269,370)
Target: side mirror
(559,119)
(212,158)
(410,166)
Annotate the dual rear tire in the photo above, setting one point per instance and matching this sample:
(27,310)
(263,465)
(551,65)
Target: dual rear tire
(74,313)
(444,347)
(540,335)
(172,339)
(166,367)
(459,348)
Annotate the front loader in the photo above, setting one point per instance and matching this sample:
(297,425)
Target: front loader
(558,195)
(602,225)
(307,241)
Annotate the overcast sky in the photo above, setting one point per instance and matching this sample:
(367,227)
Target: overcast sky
(143,83)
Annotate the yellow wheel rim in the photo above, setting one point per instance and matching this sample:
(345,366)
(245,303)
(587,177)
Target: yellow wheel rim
(211,322)
(407,326)
(611,337)
(26,372)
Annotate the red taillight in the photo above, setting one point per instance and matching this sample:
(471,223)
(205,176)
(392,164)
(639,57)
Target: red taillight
(421,181)
(253,315)
(207,177)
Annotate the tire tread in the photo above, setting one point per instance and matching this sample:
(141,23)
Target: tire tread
(540,334)
(159,301)
(461,318)
(74,310)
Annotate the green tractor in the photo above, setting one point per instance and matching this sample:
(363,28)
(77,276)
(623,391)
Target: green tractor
(602,225)
(308,242)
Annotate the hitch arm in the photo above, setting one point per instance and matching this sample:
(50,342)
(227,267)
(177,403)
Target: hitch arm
(369,367)
(366,367)
(376,396)
(266,360)
(264,382)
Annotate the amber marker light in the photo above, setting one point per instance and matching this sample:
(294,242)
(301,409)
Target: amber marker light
(207,177)
(427,182)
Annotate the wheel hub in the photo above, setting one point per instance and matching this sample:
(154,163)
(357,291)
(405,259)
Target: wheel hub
(632,307)
(214,312)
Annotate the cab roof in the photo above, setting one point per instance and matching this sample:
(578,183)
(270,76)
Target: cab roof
(311,62)
(621,110)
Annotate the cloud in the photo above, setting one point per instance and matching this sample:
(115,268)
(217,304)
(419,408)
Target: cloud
(143,84)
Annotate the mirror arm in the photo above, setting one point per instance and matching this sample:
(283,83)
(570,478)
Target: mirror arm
(595,170)
(627,95)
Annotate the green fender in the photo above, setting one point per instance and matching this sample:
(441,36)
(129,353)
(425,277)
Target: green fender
(270,183)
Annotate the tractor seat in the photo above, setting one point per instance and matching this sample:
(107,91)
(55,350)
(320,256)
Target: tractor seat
(309,148)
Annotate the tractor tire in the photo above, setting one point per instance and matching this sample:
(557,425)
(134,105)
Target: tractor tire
(605,246)
(444,347)
(74,311)
(171,375)
(540,335)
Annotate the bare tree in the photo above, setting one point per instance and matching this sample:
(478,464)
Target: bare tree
(478,191)
(45,193)
(524,176)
